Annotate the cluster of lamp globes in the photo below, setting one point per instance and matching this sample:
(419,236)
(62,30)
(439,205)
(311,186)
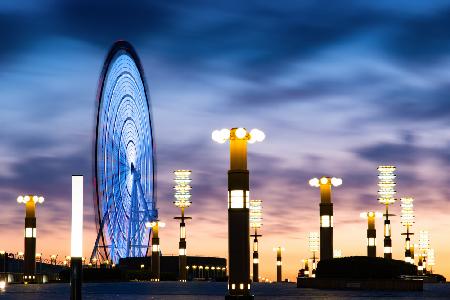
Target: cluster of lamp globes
(154,223)
(35,199)
(252,136)
(334,181)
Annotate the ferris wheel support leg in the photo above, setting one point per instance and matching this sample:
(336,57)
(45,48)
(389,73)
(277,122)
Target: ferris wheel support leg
(99,234)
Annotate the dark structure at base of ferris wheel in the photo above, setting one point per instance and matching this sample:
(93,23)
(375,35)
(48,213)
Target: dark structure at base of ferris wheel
(198,267)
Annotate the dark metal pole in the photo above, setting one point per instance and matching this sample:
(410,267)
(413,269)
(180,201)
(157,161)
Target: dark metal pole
(155,254)
(255,257)
(76,278)
(30,241)
(238,220)
(387,235)
(326,221)
(279,276)
(371,235)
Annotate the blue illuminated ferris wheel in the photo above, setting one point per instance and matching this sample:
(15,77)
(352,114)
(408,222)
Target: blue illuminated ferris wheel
(124,159)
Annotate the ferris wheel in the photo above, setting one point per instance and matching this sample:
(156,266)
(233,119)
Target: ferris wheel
(124,159)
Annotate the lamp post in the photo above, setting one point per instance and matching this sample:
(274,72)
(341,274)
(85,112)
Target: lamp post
(326,214)
(183,200)
(156,272)
(255,223)
(238,209)
(386,195)
(279,263)
(306,267)
(76,245)
(30,235)
(407,220)
(313,242)
(371,231)
(424,246)
(3,254)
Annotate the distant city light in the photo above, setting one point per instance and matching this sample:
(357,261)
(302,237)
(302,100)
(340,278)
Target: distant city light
(337,253)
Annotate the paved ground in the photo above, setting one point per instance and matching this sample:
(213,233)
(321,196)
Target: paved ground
(205,290)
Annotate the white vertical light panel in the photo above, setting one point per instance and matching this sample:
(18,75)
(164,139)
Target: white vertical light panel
(77,216)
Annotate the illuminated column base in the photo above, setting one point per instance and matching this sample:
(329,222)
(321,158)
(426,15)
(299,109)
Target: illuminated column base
(371,243)
(307,268)
(387,248)
(76,266)
(279,276)
(255,267)
(29,271)
(326,231)
(155,260)
(182,260)
(387,239)
(313,269)
(238,237)
(183,271)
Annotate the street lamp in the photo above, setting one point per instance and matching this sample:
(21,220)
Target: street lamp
(155,225)
(238,209)
(386,196)
(313,242)
(183,200)
(326,214)
(279,263)
(255,223)
(371,231)
(30,235)
(407,220)
(306,267)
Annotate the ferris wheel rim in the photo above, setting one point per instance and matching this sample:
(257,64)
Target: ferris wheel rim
(118,46)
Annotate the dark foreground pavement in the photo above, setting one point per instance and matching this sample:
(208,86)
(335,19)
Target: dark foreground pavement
(205,290)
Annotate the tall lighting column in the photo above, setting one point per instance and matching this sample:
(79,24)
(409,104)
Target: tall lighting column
(313,242)
(238,209)
(183,201)
(326,214)
(76,245)
(371,231)
(407,220)
(156,271)
(255,223)
(386,195)
(279,263)
(29,272)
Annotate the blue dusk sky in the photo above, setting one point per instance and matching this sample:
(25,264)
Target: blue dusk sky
(339,87)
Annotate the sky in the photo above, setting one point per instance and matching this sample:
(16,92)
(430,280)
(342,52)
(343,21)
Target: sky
(338,87)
